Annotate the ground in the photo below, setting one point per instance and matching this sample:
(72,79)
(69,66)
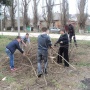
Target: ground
(58,77)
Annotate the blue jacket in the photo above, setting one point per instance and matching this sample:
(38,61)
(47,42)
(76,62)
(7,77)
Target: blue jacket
(12,46)
(44,42)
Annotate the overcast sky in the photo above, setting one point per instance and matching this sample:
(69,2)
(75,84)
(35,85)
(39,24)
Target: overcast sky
(72,7)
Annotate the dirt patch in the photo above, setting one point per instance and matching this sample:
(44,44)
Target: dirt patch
(86,83)
(58,77)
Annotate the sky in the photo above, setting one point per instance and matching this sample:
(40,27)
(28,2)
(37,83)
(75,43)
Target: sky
(72,7)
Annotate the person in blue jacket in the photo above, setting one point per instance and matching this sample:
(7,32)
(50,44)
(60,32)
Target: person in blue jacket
(44,43)
(11,48)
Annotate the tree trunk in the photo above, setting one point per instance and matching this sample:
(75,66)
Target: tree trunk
(64,13)
(12,12)
(82,16)
(26,20)
(4,21)
(35,15)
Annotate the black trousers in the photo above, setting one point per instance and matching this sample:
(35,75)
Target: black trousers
(63,51)
(74,38)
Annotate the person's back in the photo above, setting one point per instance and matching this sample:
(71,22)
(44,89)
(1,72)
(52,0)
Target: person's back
(71,29)
(12,46)
(43,42)
(72,34)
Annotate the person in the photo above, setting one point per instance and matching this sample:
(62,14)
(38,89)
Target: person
(71,33)
(44,43)
(11,48)
(63,50)
(25,39)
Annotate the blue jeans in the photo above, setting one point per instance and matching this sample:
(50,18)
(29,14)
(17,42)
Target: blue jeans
(11,56)
(42,55)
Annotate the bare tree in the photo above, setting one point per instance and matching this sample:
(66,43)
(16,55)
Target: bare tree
(25,8)
(12,10)
(64,12)
(5,18)
(48,15)
(35,13)
(82,16)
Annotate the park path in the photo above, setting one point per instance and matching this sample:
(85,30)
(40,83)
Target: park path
(78,37)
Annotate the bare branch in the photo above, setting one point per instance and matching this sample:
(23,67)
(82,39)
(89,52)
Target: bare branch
(37,2)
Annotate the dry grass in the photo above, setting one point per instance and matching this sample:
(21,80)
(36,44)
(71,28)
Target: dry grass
(58,77)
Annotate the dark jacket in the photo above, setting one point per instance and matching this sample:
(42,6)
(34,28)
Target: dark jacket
(44,42)
(12,46)
(71,30)
(64,39)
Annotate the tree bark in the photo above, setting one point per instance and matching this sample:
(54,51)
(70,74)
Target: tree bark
(82,16)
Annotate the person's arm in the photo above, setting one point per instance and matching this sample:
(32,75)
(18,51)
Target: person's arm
(18,47)
(59,40)
(49,42)
(28,40)
(23,43)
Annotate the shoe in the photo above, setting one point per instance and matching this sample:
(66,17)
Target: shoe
(59,62)
(13,69)
(39,75)
(45,71)
(66,65)
(75,44)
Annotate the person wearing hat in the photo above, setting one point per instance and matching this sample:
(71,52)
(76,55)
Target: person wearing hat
(11,48)
(63,49)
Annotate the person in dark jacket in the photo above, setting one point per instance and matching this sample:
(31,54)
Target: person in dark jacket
(63,50)
(11,48)
(44,43)
(71,33)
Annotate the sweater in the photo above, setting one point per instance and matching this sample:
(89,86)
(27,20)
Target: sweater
(12,46)
(44,42)
(64,39)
